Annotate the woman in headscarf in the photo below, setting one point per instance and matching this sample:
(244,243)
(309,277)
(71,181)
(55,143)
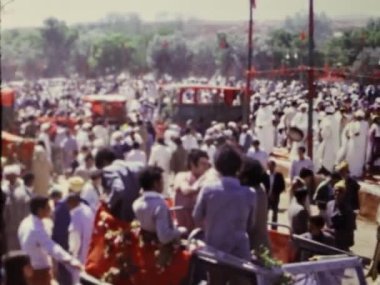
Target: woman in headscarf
(42,169)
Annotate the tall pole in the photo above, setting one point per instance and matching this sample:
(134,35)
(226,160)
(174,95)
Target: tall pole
(246,100)
(311,80)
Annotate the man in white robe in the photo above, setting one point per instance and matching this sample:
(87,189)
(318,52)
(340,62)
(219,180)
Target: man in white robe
(264,127)
(329,132)
(354,148)
(300,121)
(161,156)
(45,138)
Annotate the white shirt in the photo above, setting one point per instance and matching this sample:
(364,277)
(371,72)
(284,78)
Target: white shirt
(80,231)
(259,155)
(136,155)
(91,195)
(160,156)
(211,150)
(37,244)
(189,142)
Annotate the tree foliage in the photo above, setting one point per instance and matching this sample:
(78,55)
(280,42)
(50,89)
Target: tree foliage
(122,42)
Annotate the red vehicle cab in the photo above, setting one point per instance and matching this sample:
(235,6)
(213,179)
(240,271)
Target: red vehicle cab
(7,108)
(111,107)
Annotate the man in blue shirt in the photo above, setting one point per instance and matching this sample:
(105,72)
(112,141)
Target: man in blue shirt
(227,210)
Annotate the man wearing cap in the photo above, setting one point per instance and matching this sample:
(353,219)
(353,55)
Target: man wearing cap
(81,222)
(264,127)
(245,138)
(44,136)
(300,121)
(354,148)
(209,147)
(16,206)
(70,149)
(330,141)
(341,218)
(189,140)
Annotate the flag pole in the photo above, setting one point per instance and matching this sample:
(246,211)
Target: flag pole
(246,99)
(311,80)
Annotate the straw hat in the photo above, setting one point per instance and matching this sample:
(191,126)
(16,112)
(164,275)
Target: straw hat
(76,184)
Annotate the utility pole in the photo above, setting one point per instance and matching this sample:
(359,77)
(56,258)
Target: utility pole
(246,98)
(311,80)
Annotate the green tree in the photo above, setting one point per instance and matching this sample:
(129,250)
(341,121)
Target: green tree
(58,41)
(111,54)
(169,55)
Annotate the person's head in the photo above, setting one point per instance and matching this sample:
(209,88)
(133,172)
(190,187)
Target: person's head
(228,160)
(301,152)
(104,157)
(136,145)
(307,175)
(151,179)
(340,191)
(256,144)
(41,143)
(89,160)
(323,171)
(300,194)
(271,166)
(343,169)
(161,140)
(55,195)
(252,172)
(28,179)
(17,268)
(76,184)
(335,177)
(40,207)
(316,224)
(96,177)
(12,173)
(198,162)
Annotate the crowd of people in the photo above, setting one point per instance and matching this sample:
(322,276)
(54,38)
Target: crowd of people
(223,179)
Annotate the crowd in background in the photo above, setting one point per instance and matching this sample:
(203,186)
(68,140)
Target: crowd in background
(48,208)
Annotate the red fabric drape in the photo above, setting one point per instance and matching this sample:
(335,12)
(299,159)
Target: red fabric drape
(141,267)
(7,97)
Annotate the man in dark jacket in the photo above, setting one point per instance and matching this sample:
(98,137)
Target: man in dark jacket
(178,162)
(274,183)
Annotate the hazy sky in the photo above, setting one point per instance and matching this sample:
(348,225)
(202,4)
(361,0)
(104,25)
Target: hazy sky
(22,13)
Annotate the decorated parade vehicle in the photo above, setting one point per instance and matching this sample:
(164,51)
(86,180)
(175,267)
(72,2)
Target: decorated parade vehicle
(17,149)
(203,103)
(110,107)
(8,114)
(120,254)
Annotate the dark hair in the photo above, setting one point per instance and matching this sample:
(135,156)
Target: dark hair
(317,220)
(104,157)
(302,148)
(135,145)
(252,173)
(228,160)
(88,157)
(148,176)
(300,195)
(161,141)
(194,156)
(41,143)
(96,174)
(37,203)
(28,178)
(305,172)
(255,142)
(336,176)
(324,171)
(14,263)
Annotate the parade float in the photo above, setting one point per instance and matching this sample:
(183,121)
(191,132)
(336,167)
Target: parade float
(120,256)
(203,103)
(110,107)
